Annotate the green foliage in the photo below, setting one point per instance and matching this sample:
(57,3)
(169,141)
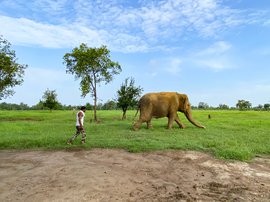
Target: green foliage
(92,66)
(239,135)
(223,106)
(203,105)
(7,106)
(243,105)
(89,106)
(266,107)
(109,105)
(50,99)
(11,72)
(127,95)
(38,106)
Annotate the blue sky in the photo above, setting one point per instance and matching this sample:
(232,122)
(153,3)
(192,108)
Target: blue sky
(216,51)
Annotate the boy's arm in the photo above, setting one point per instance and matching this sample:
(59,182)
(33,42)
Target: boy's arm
(80,115)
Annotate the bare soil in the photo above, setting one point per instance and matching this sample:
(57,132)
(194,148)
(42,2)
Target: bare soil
(117,175)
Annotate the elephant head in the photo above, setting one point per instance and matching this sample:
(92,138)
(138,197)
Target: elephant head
(185,107)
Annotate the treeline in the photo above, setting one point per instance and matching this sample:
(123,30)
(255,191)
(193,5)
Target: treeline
(109,105)
(240,105)
(112,105)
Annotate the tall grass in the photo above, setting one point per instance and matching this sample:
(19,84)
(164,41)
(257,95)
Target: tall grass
(239,135)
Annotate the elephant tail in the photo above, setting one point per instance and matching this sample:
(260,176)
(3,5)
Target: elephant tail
(136,112)
(138,108)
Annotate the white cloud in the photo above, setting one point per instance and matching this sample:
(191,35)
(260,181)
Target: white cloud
(263,51)
(154,24)
(53,77)
(171,65)
(51,6)
(256,92)
(219,47)
(37,80)
(216,57)
(174,66)
(267,23)
(216,64)
(22,31)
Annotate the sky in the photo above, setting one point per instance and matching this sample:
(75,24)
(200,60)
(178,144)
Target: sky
(215,51)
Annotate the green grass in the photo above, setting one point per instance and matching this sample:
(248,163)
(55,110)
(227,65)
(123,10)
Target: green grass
(239,135)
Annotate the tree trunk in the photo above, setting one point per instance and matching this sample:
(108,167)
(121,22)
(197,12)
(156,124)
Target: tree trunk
(124,115)
(95,105)
(95,98)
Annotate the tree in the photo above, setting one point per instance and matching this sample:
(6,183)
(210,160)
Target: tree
(128,95)
(92,66)
(266,107)
(9,106)
(38,106)
(223,106)
(203,105)
(259,107)
(109,105)
(50,99)
(89,106)
(243,105)
(11,72)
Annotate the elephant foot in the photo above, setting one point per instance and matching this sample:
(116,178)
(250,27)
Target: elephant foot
(182,126)
(150,126)
(135,128)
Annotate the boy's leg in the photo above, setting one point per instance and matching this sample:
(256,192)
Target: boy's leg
(83,136)
(74,136)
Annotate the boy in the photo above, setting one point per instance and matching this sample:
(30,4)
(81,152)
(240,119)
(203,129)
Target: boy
(79,126)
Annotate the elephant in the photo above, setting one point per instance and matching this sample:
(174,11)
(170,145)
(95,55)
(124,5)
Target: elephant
(164,104)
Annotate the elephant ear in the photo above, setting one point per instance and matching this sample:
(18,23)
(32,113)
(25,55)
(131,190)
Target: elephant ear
(185,102)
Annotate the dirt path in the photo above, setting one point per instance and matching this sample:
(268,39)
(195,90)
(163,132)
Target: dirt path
(116,175)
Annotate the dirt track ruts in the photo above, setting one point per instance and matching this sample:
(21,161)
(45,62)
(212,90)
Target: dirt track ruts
(117,175)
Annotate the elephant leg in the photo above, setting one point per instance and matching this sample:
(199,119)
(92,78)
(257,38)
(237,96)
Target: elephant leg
(149,124)
(142,119)
(137,125)
(170,121)
(177,120)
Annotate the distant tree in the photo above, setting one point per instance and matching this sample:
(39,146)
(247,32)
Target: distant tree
(50,99)
(127,95)
(259,107)
(223,106)
(11,72)
(109,105)
(38,106)
(92,66)
(89,106)
(68,107)
(99,106)
(9,106)
(243,105)
(266,107)
(23,106)
(3,105)
(203,105)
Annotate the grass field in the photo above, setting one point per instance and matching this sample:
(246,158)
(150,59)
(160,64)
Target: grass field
(239,135)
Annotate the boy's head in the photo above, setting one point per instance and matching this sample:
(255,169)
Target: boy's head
(83,108)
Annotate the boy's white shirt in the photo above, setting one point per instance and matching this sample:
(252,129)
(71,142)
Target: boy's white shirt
(82,118)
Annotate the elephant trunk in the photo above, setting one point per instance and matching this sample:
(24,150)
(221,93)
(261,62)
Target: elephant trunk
(190,118)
